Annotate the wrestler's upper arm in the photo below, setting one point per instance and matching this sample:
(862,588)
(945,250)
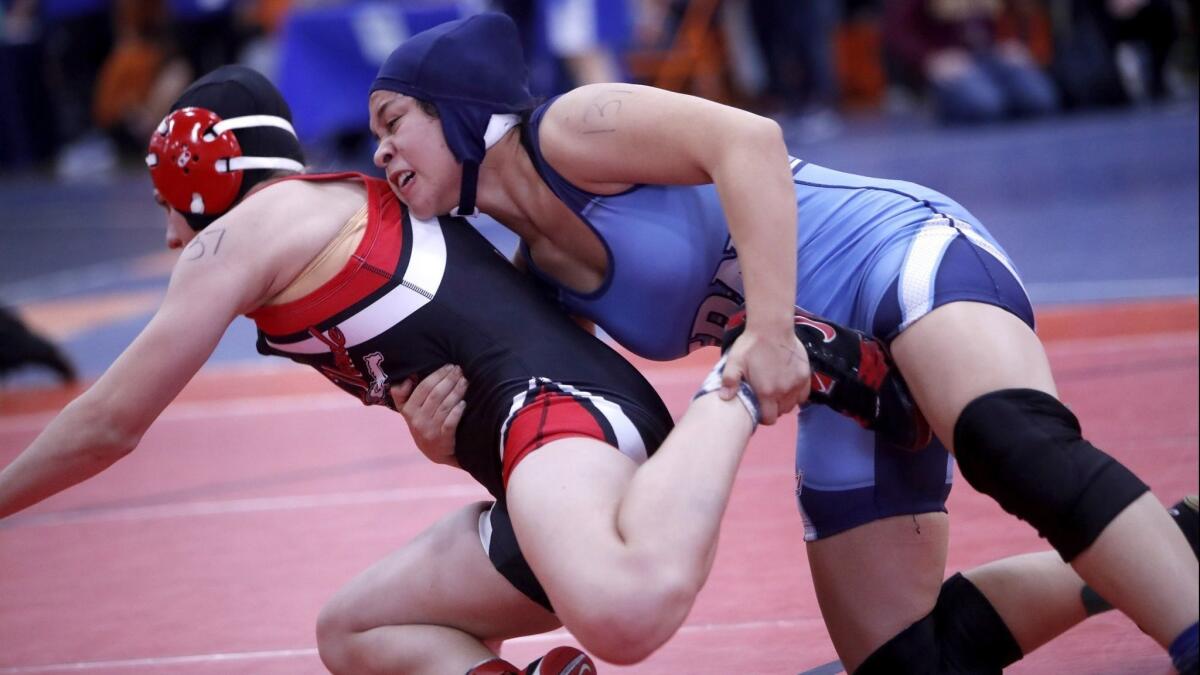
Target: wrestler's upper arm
(224,271)
(590,134)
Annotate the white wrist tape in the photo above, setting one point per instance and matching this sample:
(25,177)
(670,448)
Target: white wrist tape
(745,393)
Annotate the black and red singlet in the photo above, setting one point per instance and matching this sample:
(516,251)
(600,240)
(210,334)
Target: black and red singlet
(419,294)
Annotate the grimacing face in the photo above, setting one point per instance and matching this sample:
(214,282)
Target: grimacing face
(412,151)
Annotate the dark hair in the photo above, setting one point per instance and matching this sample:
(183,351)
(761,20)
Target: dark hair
(428,108)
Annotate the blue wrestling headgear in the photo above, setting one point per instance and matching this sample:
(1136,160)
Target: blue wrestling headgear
(473,71)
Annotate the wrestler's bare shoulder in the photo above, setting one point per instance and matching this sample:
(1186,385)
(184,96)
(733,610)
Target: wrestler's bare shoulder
(276,231)
(303,204)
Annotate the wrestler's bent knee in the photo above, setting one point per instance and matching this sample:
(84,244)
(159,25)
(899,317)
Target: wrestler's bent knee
(1023,448)
(963,634)
(334,634)
(626,622)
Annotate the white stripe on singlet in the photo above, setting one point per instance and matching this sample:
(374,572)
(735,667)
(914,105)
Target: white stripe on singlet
(629,439)
(485,528)
(422,277)
(919,272)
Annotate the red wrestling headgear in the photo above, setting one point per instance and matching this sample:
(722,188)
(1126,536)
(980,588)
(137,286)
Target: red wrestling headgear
(196,162)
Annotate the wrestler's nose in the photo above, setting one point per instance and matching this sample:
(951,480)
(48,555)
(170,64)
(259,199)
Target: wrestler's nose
(383,155)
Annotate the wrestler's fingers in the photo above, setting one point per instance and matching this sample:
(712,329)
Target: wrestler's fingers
(401,392)
(731,376)
(768,411)
(444,389)
(452,397)
(426,386)
(454,417)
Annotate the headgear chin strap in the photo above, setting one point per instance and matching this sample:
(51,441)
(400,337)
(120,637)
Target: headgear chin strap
(472,70)
(498,125)
(197,164)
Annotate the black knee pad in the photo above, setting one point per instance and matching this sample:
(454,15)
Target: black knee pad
(963,634)
(1023,448)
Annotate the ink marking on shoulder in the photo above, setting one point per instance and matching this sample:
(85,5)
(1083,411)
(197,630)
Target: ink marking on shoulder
(601,113)
(200,246)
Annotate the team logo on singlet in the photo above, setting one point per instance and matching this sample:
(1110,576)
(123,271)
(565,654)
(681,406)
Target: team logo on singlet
(725,296)
(344,372)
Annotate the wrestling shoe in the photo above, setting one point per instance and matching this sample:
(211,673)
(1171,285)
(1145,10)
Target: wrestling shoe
(21,347)
(557,661)
(494,666)
(562,661)
(853,374)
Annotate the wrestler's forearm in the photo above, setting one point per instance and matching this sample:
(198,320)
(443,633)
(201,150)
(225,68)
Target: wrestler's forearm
(675,501)
(759,200)
(74,447)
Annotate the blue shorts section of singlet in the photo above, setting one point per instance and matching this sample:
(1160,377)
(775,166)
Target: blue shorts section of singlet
(847,477)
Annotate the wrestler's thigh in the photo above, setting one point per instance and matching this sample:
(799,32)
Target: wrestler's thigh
(875,580)
(962,350)
(563,501)
(443,577)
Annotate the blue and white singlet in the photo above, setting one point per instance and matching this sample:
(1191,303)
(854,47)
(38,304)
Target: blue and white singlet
(872,254)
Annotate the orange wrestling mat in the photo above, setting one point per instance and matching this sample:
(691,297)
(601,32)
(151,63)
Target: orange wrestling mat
(260,491)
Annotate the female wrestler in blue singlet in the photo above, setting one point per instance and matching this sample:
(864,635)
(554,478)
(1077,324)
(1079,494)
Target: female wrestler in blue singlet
(655,215)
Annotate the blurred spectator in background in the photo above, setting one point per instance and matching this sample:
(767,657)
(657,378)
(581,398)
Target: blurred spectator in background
(797,46)
(75,75)
(859,46)
(20,347)
(950,49)
(206,33)
(140,78)
(260,21)
(1114,51)
(701,47)
(162,45)
(572,42)
(27,131)
(78,37)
